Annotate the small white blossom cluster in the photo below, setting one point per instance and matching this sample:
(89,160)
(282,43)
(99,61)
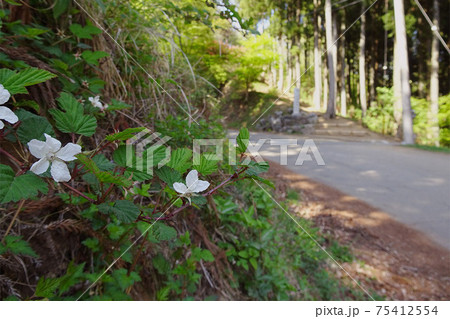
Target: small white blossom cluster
(5,113)
(95,101)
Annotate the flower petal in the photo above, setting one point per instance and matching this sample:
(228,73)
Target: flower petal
(52,143)
(180,188)
(4,95)
(191,178)
(68,152)
(1,125)
(8,115)
(38,148)
(200,186)
(40,167)
(60,171)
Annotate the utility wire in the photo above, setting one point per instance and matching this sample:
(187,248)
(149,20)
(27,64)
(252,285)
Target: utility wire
(434,28)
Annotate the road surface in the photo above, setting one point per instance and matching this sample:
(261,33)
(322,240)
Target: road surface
(411,185)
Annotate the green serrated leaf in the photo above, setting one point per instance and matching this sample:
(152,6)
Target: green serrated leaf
(32,127)
(120,158)
(199,200)
(168,175)
(109,178)
(118,105)
(56,63)
(46,287)
(14,3)
(16,83)
(89,164)
(125,134)
(163,232)
(115,231)
(242,140)
(92,244)
(256,168)
(124,210)
(28,103)
(84,32)
(60,7)
(153,155)
(5,74)
(208,164)
(127,156)
(103,163)
(206,255)
(180,159)
(93,57)
(103,176)
(161,264)
(254,263)
(17,246)
(13,189)
(123,279)
(71,118)
(72,277)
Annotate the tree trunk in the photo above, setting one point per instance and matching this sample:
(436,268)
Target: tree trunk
(298,73)
(434,80)
(281,63)
(325,87)
(335,58)
(362,63)
(350,82)
(317,62)
(385,61)
(372,82)
(400,34)
(274,74)
(298,40)
(397,93)
(343,70)
(331,107)
(289,64)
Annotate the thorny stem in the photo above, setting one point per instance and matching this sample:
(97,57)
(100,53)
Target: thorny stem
(102,199)
(78,192)
(11,157)
(3,134)
(101,148)
(228,180)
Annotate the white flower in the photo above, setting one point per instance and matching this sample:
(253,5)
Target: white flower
(5,113)
(95,101)
(193,185)
(50,151)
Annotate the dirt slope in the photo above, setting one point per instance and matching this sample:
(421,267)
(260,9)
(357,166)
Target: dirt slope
(396,261)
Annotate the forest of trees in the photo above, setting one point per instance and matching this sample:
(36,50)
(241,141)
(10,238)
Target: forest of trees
(354,57)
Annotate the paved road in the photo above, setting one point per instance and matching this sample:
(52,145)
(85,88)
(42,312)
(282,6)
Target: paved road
(410,184)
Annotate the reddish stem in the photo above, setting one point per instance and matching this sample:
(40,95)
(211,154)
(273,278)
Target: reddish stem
(11,157)
(78,192)
(3,134)
(228,180)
